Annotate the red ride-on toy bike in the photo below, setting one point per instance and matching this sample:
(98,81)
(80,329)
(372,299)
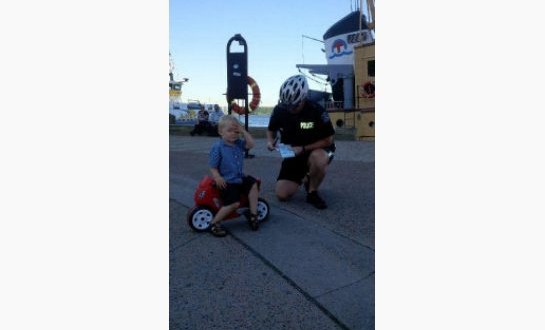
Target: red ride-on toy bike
(208,202)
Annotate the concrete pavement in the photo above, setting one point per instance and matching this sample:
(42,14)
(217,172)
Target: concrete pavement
(304,269)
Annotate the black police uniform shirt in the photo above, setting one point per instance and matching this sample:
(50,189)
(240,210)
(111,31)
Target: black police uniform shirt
(309,125)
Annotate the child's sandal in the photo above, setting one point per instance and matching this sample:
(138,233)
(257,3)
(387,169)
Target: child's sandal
(254,224)
(217,230)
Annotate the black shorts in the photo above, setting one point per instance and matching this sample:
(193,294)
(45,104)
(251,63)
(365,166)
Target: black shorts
(231,194)
(295,168)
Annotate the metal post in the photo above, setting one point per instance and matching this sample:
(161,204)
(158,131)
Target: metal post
(237,78)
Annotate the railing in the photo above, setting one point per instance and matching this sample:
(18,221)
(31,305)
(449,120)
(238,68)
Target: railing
(333,105)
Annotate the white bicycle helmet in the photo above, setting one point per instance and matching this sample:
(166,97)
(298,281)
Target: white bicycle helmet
(294,90)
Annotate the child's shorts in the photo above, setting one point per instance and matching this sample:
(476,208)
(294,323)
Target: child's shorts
(231,194)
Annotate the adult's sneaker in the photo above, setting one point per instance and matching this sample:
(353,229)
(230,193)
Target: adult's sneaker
(315,199)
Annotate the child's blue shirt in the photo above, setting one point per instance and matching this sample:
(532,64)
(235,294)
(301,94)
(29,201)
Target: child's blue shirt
(228,159)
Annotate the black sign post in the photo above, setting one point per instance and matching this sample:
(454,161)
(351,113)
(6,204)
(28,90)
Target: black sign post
(237,78)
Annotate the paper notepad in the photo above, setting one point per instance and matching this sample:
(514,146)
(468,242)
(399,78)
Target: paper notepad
(285,150)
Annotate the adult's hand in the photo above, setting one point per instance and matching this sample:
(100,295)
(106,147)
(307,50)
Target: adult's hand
(271,145)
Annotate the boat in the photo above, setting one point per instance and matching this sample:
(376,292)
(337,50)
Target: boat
(350,71)
(182,112)
(178,111)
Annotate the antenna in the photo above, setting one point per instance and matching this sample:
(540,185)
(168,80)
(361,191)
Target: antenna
(305,36)
(303,44)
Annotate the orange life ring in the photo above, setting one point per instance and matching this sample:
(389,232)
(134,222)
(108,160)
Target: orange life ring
(368,90)
(256,98)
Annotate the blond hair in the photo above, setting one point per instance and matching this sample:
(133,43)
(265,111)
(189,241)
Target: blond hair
(226,119)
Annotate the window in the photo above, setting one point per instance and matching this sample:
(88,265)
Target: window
(371,68)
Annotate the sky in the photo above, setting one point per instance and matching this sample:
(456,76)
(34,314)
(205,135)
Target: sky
(273,30)
(460,114)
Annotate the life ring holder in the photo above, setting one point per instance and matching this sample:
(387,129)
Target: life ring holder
(368,90)
(256,98)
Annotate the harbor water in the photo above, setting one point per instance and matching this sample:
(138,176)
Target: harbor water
(253,120)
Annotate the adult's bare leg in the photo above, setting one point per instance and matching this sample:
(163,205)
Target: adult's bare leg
(318,162)
(285,189)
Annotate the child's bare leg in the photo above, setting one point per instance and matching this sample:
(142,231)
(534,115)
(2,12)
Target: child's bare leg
(252,198)
(224,212)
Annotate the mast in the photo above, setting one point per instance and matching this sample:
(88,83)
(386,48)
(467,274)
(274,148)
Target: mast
(170,67)
(371,14)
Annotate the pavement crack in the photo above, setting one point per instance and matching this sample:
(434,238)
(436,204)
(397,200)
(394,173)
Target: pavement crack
(287,210)
(291,283)
(345,286)
(352,240)
(180,202)
(184,244)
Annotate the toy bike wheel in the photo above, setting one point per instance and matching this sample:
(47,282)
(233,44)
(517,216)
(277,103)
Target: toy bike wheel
(263,209)
(199,218)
